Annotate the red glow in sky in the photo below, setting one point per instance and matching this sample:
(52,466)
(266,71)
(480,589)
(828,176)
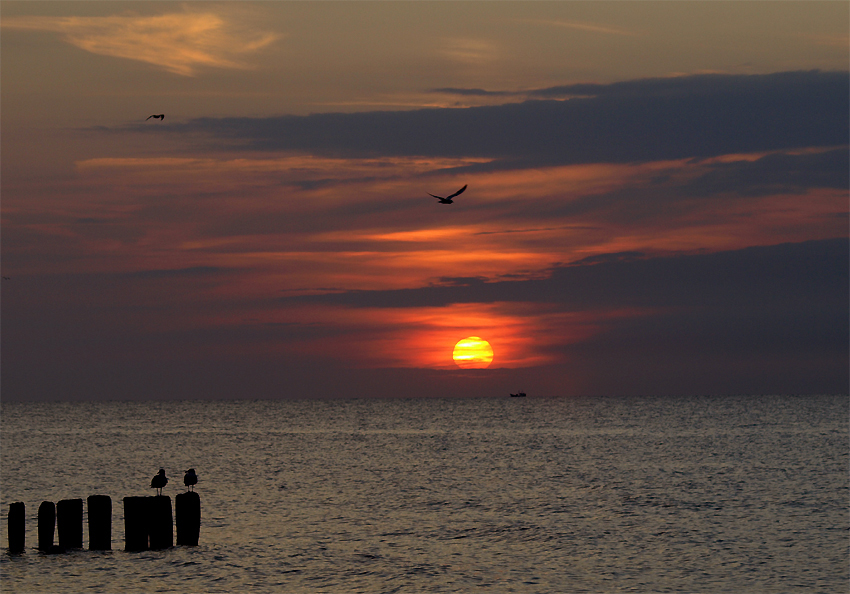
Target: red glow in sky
(674,223)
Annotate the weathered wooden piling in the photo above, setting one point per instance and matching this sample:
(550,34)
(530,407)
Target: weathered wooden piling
(17,527)
(187,509)
(100,522)
(69,523)
(136,523)
(161,523)
(46,525)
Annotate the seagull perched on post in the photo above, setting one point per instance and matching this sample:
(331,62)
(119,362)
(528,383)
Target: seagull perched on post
(159,481)
(448,199)
(190,479)
(160,116)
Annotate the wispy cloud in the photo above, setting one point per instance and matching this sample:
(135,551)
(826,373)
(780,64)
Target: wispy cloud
(469,51)
(583,26)
(180,43)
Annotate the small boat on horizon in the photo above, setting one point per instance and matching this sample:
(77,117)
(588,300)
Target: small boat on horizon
(518,395)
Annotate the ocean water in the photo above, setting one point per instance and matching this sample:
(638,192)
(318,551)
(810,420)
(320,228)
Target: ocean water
(648,494)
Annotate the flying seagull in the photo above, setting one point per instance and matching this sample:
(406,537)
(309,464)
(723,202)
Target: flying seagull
(448,199)
(159,481)
(190,479)
(160,116)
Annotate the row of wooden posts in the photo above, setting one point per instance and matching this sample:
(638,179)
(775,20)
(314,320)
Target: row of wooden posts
(147,523)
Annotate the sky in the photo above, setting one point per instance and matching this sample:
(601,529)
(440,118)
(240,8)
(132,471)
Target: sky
(656,202)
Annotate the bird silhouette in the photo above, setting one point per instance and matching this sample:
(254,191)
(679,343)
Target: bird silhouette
(159,481)
(7,278)
(448,199)
(160,116)
(190,479)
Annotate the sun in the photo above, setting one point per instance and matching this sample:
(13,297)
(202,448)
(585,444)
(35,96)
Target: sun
(473,353)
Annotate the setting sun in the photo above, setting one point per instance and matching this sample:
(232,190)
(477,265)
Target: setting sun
(473,353)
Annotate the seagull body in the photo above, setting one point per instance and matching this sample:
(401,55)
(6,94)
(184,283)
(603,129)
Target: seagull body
(190,479)
(448,199)
(160,116)
(159,481)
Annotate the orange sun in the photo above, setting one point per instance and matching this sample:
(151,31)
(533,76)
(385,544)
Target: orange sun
(473,353)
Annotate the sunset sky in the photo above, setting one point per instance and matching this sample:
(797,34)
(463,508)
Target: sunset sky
(657,198)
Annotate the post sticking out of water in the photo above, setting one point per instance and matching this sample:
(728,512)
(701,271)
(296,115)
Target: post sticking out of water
(46,525)
(187,509)
(69,523)
(100,522)
(17,528)
(160,522)
(136,523)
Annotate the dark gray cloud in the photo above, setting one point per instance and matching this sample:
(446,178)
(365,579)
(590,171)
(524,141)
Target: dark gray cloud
(642,120)
(174,272)
(473,92)
(670,196)
(697,84)
(775,174)
(811,274)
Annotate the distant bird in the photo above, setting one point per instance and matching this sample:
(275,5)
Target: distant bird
(160,116)
(190,479)
(448,199)
(7,278)
(159,481)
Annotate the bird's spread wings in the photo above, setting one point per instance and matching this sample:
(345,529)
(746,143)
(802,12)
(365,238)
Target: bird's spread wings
(437,197)
(458,192)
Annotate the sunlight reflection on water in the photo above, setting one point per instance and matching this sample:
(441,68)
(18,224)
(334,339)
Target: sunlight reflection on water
(532,495)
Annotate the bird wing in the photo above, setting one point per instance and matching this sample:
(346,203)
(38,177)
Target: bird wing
(149,117)
(162,116)
(458,192)
(437,197)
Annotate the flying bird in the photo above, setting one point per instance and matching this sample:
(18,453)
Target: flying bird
(160,116)
(190,479)
(7,278)
(448,199)
(159,481)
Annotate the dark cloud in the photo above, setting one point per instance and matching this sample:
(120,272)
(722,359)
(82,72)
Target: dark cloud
(174,272)
(809,274)
(775,174)
(642,120)
(670,196)
(683,86)
(472,92)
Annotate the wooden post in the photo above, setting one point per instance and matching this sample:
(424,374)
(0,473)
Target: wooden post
(187,509)
(17,528)
(69,523)
(46,525)
(136,523)
(100,522)
(161,523)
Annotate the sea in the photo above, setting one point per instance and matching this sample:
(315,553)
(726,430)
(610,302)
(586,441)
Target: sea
(603,494)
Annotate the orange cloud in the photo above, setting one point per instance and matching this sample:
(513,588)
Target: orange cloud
(180,43)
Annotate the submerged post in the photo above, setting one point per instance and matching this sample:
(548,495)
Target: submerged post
(161,522)
(46,525)
(187,509)
(136,523)
(69,523)
(100,522)
(17,527)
